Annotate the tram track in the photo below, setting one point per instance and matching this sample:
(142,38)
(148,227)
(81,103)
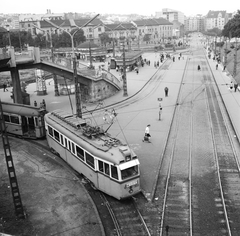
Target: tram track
(227,164)
(197,194)
(176,194)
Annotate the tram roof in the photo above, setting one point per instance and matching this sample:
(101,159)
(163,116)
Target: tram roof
(92,139)
(20,109)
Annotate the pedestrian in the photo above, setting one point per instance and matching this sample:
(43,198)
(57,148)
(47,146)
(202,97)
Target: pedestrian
(155,64)
(224,68)
(147,134)
(199,68)
(235,87)
(173,59)
(160,111)
(5,87)
(231,85)
(166,91)
(216,66)
(44,104)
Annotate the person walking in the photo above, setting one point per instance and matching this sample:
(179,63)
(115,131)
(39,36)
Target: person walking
(5,87)
(160,111)
(235,87)
(147,134)
(216,66)
(166,91)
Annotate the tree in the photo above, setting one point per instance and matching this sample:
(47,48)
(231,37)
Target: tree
(232,28)
(146,38)
(104,38)
(79,36)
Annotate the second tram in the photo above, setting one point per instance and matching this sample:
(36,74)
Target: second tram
(107,162)
(23,120)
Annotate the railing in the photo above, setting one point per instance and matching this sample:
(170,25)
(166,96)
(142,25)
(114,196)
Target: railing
(94,74)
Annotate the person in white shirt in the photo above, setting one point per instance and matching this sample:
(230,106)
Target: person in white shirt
(147,134)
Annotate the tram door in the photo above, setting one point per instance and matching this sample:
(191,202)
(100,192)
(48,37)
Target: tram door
(31,126)
(24,124)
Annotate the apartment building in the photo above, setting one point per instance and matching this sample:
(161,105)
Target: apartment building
(195,23)
(171,15)
(157,29)
(216,19)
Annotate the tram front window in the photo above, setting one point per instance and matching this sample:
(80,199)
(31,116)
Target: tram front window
(129,172)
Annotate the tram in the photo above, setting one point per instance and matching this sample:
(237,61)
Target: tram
(23,120)
(107,162)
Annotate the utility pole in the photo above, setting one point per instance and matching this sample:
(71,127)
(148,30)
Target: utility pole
(225,54)
(56,92)
(235,59)
(10,167)
(90,55)
(125,93)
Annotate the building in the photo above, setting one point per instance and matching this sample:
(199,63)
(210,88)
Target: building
(125,30)
(154,31)
(92,30)
(216,19)
(27,21)
(171,15)
(195,23)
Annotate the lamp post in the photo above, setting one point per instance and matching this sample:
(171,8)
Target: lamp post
(124,77)
(9,37)
(75,79)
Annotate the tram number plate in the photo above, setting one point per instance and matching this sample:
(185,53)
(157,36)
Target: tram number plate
(131,183)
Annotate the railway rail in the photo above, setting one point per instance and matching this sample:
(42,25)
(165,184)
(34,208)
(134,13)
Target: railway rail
(199,144)
(196,192)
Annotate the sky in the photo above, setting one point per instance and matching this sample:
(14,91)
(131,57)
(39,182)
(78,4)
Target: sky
(141,7)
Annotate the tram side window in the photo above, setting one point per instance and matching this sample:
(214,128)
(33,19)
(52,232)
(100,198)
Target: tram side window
(73,148)
(80,152)
(6,118)
(65,142)
(106,168)
(129,172)
(69,145)
(90,160)
(14,119)
(100,166)
(61,139)
(114,172)
(56,135)
(50,131)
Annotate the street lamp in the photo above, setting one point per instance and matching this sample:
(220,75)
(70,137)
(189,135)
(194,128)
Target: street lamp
(77,85)
(9,38)
(124,77)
